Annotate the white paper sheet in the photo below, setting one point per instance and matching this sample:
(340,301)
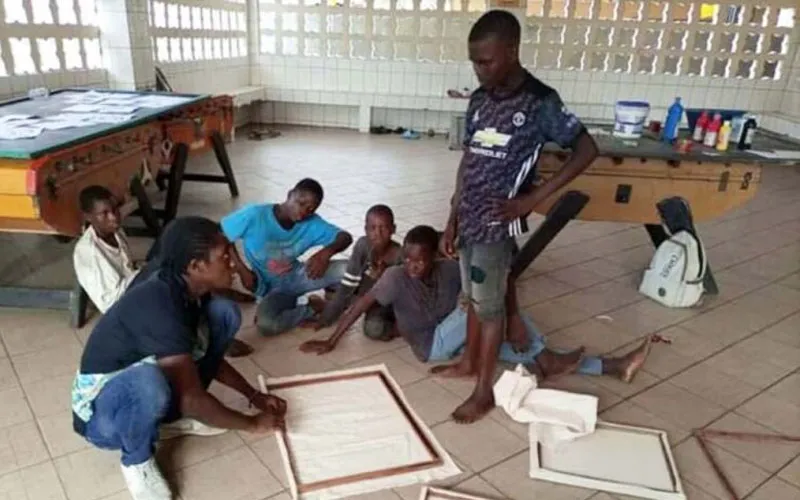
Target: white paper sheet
(160,101)
(14,118)
(350,436)
(114,109)
(81,108)
(85,97)
(21,132)
(556,415)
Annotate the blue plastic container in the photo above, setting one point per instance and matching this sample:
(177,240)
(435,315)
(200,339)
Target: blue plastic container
(673,121)
(693,114)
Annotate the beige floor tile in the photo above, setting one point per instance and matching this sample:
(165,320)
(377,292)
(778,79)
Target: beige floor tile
(14,409)
(497,443)
(180,453)
(120,495)
(90,474)
(768,455)
(551,316)
(355,347)
(280,496)
(589,273)
(788,389)
(718,387)
(585,384)
(47,363)
(511,479)
(378,495)
(411,492)
(235,475)
(772,412)
(539,289)
(38,482)
(756,371)
(8,378)
(773,265)
(50,395)
(793,281)
(432,402)
(268,453)
(21,446)
(26,331)
(695,467)
(677,405)
(641,381)
(776,489)
(404,373)
(291,362)
(598,337)
(786,331)
(791,473)
(477,486)
(602,298)
(59,436)
(632,414)
(733,285)
(763,349)
(647,316)
(685,349)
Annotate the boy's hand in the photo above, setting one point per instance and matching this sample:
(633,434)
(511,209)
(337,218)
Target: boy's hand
(447,245)
(267,421)
(279,267)
(317,346)
(270,404)
(317,264)
(515,208)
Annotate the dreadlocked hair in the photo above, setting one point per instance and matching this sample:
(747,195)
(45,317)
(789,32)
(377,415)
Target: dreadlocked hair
(185,239)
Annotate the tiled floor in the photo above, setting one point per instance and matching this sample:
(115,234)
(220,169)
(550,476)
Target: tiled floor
(733,363)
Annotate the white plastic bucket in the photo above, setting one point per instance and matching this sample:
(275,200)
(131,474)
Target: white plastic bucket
(629,118)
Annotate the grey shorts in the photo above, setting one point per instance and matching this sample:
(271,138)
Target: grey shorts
(484,275)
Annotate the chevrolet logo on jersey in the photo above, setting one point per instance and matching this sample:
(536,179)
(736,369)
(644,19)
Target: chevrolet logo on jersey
(486,140)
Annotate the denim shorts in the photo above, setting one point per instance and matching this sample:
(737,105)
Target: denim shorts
(484,275)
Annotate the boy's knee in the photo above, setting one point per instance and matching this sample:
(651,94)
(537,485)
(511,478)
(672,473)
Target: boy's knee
(377,328)
(152,390)
(224,317)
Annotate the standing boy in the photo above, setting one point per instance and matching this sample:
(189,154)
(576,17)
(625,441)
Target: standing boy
(274,236)
(372,254)
(509,119)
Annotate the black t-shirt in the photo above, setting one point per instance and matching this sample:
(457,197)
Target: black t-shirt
(155,317)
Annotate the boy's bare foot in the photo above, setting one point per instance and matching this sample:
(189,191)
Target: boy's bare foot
(633,361)
(554,364)
(238,349)
(474,408)
(461,369)
(517,334)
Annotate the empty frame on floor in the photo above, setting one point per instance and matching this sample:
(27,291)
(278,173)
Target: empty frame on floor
(617,458)
(352,432)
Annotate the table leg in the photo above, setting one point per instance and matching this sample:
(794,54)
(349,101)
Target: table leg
(78,303)
(145,211)
(564,210)
(218,144)
(176,176)
(676,215)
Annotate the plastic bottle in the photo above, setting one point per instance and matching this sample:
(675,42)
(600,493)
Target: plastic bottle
(673,121)
(736,127)
(712,131)
(748,130)
(700,127)
(724,136)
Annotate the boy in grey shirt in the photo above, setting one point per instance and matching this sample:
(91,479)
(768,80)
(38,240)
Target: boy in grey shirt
(372,255)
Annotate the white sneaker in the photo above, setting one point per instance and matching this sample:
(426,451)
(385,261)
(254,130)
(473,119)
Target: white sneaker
(188,427)
(145,481)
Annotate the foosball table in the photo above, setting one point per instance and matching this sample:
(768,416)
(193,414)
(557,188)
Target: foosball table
(54,146)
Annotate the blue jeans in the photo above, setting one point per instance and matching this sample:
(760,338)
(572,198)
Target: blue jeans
(279,310)
(450,339)
(131,406)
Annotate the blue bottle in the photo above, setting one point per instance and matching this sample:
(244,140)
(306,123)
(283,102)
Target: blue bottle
(673,121)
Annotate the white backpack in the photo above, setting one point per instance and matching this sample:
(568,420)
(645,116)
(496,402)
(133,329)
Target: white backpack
(675,276)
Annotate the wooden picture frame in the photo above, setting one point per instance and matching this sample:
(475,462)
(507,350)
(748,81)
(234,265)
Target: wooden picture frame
(432,461)
(616,458)
(431,493)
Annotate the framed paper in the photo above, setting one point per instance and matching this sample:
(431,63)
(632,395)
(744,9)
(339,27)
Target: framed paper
(429,493)
(352,432)
(617,458)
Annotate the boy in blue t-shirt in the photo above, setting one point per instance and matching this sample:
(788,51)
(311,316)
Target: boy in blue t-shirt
(273,237)
(509,119)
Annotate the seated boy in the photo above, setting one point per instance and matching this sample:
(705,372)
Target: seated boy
(424,294)
(147,364)
(103,263)
(102,259)
(273,237)
(372,254)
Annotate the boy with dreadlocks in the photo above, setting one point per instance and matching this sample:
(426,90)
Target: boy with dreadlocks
(509,119)
(149,361)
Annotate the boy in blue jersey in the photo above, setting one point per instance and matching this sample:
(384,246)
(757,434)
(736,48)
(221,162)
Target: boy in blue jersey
(509,119)
(273,237)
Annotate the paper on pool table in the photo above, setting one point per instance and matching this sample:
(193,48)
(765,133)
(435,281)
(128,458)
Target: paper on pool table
(352,432)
